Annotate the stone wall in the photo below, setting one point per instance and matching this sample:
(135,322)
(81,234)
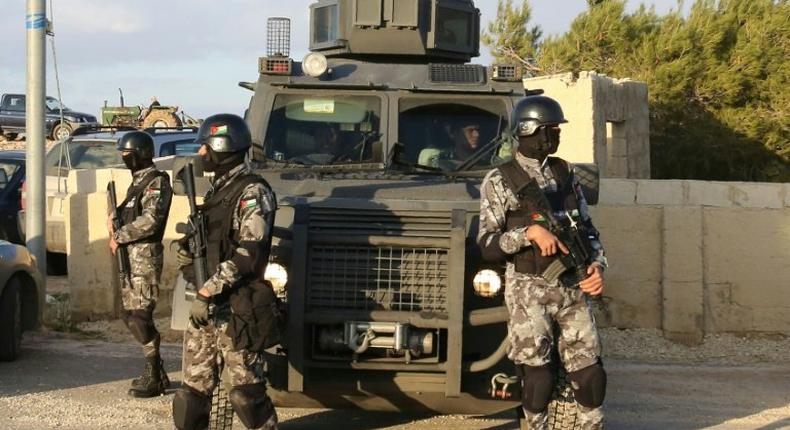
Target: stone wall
(687,257)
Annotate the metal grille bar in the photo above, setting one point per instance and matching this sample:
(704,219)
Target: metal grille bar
(377,278)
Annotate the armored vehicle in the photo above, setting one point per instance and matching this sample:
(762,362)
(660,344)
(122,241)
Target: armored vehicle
(376,145)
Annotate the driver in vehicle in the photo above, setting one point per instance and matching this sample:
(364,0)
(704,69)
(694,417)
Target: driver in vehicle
(465,139)
(326,139)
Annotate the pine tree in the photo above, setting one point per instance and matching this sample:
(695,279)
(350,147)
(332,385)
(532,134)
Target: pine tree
(509,35)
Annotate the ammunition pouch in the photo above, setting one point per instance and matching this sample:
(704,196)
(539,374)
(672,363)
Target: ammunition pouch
(257,320)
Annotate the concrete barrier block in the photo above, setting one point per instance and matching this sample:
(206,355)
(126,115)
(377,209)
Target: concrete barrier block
(737,194)
(617,192)
(682,243)
(92,274)
(663,192)
(632,239)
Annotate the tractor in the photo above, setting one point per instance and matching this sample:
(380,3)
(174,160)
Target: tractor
(138,116)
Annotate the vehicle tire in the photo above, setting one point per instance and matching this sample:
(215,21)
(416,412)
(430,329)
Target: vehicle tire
(61,131)
(161,118)
(562,408)
(11,320)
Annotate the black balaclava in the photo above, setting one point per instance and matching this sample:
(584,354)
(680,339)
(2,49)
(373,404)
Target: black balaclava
(538,146)
(134,163)
(221,162)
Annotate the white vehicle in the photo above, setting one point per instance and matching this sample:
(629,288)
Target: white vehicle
(93,149)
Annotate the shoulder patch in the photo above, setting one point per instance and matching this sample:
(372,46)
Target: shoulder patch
(248,203)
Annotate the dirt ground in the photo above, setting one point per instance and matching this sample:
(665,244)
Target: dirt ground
(76,377)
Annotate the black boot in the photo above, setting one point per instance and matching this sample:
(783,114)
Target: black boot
(150,384)
(137,383)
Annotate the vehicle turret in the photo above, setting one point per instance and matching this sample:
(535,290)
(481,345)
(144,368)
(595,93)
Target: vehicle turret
(382,30)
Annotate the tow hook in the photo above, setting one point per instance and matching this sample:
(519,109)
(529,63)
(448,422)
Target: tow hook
(505,381)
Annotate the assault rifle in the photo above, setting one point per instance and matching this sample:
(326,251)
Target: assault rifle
(194,229)
(570,268)
(122,254)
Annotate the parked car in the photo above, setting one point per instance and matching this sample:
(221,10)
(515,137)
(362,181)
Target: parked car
(12,117)
(12,175)
(21,297)
(95,148)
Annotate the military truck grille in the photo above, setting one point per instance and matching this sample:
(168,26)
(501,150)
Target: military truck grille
(457,73)
(377,278)
(409,273)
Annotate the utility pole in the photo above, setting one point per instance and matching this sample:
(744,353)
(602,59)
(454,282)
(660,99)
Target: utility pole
(35,217)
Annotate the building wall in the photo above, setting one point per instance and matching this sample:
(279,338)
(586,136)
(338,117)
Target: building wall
(687,257)
(608,121)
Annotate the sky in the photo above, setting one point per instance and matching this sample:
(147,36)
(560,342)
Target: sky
(189,53)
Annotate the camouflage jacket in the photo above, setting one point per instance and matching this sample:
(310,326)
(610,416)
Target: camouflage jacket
(248,225)
(496,200)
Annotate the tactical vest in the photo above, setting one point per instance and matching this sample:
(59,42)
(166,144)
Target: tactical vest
(218,212)
(132,207)
(529,260)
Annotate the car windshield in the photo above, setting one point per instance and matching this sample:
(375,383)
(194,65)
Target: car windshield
(54,104)
(326,130)
(445,135)
(179,147)
(84,155)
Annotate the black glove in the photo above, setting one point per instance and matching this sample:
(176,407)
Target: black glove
(198,315)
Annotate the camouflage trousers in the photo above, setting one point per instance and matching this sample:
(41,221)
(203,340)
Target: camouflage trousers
(141,298)
(536,308)
(208,349)
(138,295)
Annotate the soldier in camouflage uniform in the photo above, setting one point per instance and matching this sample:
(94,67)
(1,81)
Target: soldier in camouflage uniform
(239,211)
(542,314)
(144,216)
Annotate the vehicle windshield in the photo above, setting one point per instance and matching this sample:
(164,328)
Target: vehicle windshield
(84,155)
(54,104)
(444,135)
(324,130)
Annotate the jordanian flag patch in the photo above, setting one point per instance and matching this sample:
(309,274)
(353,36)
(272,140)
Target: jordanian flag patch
(248,203)
(219,130)
(538,217)
(154,191)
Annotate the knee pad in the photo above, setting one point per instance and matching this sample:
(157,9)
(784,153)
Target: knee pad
(589,385)
(140,323)
(251,404)
(538,383)
(191,409)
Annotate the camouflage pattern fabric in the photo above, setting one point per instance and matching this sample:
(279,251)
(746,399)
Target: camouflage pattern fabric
(145,259)
(248,224)
(533,304)
(207,348)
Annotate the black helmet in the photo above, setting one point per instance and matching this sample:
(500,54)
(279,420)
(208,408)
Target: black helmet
(532,112)
(139,142)
(224,132)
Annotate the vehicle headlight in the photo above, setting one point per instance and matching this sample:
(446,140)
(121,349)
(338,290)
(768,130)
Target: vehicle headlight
(487,283)
(277,275)
(314,64)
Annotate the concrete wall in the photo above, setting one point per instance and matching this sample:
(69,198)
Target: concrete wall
(608,121)
(687,257)
(693,257)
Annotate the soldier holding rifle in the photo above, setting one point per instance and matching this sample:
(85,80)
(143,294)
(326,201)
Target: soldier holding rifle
(136,229)
(533,214)
(227,251)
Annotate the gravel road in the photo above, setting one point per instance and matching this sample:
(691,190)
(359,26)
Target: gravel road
(77,382)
